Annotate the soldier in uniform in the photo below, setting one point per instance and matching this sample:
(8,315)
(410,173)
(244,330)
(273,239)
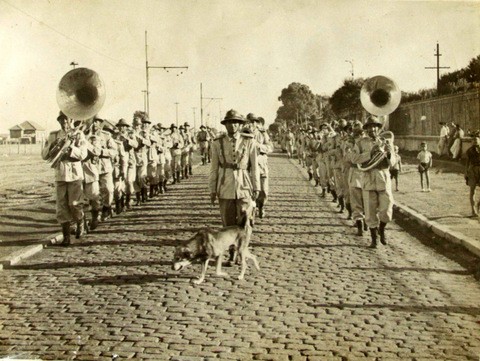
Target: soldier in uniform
(68,176)
(91,187)
(376,182)
(185,152)
(129,143)
(203,139)
(141,128)
(153,160)
(105,167)
(176,151)
(234,175)
(120,166)
(264,147)
(192,143)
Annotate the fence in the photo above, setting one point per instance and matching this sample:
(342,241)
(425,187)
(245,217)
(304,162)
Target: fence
(18,148)
(463,109)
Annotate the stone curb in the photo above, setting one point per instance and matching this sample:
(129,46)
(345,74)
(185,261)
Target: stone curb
(28,251)
(440,230)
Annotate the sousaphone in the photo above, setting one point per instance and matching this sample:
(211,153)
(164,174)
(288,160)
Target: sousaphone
(379,96)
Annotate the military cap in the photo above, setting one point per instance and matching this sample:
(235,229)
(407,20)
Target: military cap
(372,120)
(173,126)
(122,123)
(203,127)
(234,117)
(186,124)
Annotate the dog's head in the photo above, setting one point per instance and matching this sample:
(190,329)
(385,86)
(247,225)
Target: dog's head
(182,257)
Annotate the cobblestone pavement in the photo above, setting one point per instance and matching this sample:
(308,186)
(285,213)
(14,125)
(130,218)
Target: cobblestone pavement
(321,294)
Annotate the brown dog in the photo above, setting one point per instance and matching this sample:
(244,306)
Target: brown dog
(208,244)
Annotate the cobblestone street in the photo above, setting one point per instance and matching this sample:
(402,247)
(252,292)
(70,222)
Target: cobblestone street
(321,294)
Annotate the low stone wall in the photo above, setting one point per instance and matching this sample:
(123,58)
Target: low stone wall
(412,143)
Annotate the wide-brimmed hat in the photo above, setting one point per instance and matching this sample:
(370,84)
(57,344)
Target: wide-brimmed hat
(234,117)
(371,120)
(203,127)
(122,123)
(110,129)
(252,117)
(186,124)
(173,126)
(181,127)
(146,120)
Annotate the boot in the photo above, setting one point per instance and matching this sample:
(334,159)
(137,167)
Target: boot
(204,161)
(174,178)
(127,202)
(137,195)
(365,227)
(348,206)
(152,188)
(80,230)
(94,223)
(185,172)
(144,194)
(359,224)
(106,213)
(165,185)
(334,194)
(190,170)
(66,234)
(161,187)
(341,202)
(86,225)
(178,176)
(122,204)
(381,232)
(117,206)
(316,182)
(310,176)
(373,234)
(323,192)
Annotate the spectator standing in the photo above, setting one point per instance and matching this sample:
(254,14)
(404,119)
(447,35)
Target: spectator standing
(443,141)
(472,172)
(456,148)
(396,168)
(425,158)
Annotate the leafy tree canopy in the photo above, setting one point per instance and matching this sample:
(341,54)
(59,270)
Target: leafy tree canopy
(346,99)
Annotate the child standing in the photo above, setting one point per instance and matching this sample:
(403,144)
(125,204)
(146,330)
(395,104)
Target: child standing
(425,158)
(396,168)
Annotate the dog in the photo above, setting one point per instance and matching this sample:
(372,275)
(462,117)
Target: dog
(208,244)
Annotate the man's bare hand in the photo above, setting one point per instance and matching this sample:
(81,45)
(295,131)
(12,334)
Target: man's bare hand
(213,196)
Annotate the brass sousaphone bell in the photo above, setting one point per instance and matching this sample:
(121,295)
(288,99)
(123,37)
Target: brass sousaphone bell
(80,96)
(379,96)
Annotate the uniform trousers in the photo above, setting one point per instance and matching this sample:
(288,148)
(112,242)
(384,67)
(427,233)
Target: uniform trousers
(264,189)
(69,201)
(152,173)
(141,180)
(91,192)
(339,181)
(176,161)
(233,210)
(185,160)
(106,188)
(119,187)
(322,174)
(378,207)
(130,179)
(356,202)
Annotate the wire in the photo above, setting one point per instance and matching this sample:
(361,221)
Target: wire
(68,37)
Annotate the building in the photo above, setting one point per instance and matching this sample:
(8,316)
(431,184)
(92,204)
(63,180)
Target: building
(28,132)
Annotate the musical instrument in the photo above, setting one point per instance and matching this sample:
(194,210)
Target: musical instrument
(80,96)
(379,96)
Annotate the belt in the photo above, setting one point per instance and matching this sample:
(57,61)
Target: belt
(234,166)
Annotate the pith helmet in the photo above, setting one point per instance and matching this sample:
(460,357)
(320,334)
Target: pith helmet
(233,116)
(252,117)
(371,120)
(122,123)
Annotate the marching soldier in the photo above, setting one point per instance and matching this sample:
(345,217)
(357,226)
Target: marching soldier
(91,187)
(185,152)
(140,126)
(166,158)
(376,182)
(176,151)
(203,140)
(192,142)
(68,175)
(130,143)
(105,167)
(120,167)
(153,160)
(264,147)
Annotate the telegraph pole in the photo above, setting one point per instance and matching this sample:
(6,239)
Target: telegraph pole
(147,67)
(74,64)
(176,112)
(201,105)
(438,67)
(144,100)
(194,118)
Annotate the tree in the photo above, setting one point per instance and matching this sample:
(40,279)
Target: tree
(346,99)
(298,102)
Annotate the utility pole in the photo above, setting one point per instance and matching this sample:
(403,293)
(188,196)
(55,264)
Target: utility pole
(73,63)
(155,67)
(144,100)
(438,67)
(201,104)
(176,112)
(194,118)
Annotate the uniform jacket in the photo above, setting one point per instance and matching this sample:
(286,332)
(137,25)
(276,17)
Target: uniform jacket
(69,169)
(177,143)
(377,179)
(203,136)
(239,152)
(120,161)
(264,147)
(141,150)
(108,151)
(91,162)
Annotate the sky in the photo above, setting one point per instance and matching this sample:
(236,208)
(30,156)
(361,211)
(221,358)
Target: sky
(244,52)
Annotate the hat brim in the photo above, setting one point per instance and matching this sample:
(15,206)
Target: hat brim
(377,124)
(233,120)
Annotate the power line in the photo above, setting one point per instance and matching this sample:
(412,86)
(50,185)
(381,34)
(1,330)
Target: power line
(68,37)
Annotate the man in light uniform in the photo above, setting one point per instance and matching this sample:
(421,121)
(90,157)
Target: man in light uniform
(120,166)
(234,175)
(141,128)
(130,142)
(192,143)
(68,177)
(203,139)
(176,152)
(264,147)
(91,187)
(376,183)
